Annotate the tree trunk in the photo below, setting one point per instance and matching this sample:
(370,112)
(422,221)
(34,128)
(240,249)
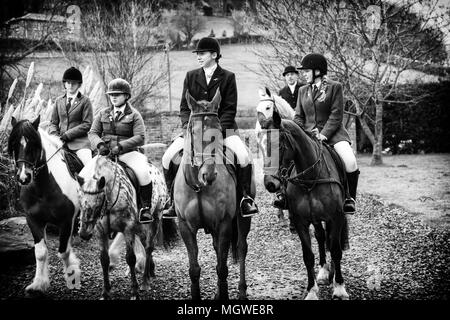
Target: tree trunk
(378,146)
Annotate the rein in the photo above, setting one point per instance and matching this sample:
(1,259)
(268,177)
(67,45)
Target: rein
(298,180)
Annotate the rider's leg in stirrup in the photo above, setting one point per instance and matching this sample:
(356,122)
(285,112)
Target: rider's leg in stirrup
(345,151)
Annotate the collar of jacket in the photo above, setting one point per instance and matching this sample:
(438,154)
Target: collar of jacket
(126,111)
(200,77)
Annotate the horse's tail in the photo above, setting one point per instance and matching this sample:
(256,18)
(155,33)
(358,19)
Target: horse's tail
(234,239)
(168,233)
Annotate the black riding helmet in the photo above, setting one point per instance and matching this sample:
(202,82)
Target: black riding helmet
(72,74)
(315,61)
(208,44)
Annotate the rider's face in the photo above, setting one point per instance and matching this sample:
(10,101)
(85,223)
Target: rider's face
(308,75)
(71,86)
(117,99)
(206,59)
(291,78)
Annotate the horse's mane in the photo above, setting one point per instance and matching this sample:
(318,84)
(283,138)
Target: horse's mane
(289,127)
(284,108)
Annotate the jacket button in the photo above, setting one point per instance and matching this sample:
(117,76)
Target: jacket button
(206,92)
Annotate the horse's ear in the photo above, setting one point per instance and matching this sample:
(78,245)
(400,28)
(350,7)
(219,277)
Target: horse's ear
(13,121)
(276,119)
(215,102)
(79,179)
(36,122)
(268,92)
(190,100)
(101,183)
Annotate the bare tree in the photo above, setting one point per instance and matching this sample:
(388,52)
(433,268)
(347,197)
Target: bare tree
(123,43)
(188,20)
(371,47)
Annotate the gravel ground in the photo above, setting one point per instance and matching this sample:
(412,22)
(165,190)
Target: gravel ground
(392,255)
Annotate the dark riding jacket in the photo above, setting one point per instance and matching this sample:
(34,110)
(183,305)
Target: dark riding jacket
(290,97)
(128,131)
(74,123)
(324,111)
(195,82)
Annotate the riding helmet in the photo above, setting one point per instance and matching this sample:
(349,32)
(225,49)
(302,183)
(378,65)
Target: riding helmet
(289,69)
(119,85)
(208,44)
(315,61)
(72,74)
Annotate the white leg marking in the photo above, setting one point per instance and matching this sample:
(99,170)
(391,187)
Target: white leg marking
(139,251)
(114,250)
(312,294)
(72,272)
(324,272)
(339,291)
(41,280)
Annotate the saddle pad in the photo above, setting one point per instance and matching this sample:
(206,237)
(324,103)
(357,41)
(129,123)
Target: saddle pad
(340,166)
(133,178)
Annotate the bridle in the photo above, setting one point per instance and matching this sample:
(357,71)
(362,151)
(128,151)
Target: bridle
(34,166)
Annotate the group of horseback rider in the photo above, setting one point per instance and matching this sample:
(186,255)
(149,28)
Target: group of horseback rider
(119,130)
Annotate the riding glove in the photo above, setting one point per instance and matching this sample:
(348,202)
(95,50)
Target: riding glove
(116,150)
(103,149)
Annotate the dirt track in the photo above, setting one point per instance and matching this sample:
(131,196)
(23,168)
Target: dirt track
(393,255)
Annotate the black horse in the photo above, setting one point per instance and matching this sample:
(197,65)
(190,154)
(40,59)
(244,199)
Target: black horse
(315,194)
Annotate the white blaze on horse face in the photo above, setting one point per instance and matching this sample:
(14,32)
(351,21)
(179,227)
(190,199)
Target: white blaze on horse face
(22,171)
(265,107)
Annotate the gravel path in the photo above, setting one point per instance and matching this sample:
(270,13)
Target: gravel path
(392,255)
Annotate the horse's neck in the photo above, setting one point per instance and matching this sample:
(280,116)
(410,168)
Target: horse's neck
(305,149)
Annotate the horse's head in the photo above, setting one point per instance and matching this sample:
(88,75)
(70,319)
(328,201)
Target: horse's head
(268,104)
(277,155)
(205,134)
(92,202)
(25,146)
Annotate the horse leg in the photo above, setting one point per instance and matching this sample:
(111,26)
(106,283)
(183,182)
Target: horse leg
(130,257)
(243,230)
(114,250)
(140,253)
(322,277)
(41,280)
(223,247)
(71,263)
(104,260)
(308,258)
(336,255)
(149,269)
(190,240)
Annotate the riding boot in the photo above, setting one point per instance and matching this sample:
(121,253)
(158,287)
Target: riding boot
(352,180)
(247,205)
(145,215)
(169,176)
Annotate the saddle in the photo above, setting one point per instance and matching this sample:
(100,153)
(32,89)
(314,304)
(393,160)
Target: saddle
(73,163)
(133,178)
(340,166)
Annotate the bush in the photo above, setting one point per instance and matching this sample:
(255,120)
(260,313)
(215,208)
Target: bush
(421,127)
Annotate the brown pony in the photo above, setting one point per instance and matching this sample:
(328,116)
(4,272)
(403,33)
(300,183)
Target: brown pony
(205,196)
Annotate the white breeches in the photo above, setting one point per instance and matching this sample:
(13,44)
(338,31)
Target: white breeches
(234,143)
(85,155)
(345,151)
(138,162)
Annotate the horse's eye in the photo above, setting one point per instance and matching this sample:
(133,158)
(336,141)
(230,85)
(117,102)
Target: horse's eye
(267,108)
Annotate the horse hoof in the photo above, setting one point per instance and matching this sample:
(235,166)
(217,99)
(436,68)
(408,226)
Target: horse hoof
(38,285)
(339,292)
(145,286)
(312,294)
(136,297)
(323,275)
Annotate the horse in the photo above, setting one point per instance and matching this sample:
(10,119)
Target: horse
(108,202)
(315,194)
(48,194)
(266,105)
(205,196)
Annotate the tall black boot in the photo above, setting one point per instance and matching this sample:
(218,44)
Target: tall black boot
(169,175)
(247,204)
(352,180)
(145,215)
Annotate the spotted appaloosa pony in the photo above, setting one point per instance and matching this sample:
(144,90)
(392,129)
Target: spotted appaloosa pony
(315,194)
(109,205)
(48,194)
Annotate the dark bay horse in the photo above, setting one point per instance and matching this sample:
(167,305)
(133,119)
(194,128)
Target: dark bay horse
(48,194)
(205,197)
(109,205)
(315,194)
